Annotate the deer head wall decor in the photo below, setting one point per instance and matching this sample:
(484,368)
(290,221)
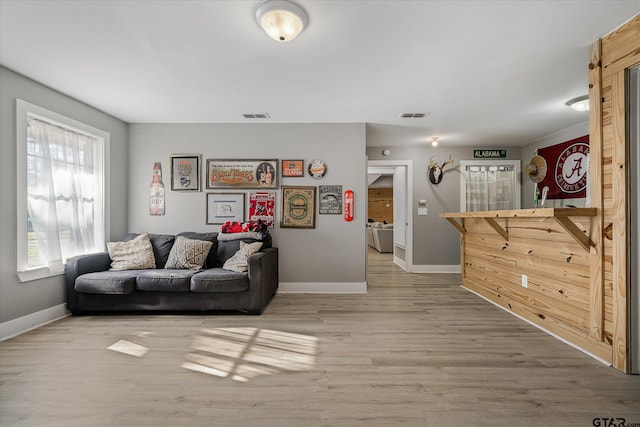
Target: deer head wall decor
(436,171)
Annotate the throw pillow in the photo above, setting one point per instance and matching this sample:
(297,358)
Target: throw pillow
(188,254)
(240,260)
(135,254)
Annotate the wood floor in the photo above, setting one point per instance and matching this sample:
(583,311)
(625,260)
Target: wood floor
(417,350)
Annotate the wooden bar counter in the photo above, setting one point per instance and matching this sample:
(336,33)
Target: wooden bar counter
(536,263)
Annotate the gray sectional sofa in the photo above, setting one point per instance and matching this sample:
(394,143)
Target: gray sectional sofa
(92,287)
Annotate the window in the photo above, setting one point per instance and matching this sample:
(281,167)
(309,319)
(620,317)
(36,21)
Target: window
(488,185)
(61,190)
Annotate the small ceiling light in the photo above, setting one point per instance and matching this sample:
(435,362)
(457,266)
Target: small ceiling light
(434,141)
(581,103)
(281,19)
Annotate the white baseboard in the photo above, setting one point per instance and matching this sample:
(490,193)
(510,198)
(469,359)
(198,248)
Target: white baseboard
(541,328)
(32,321)
(435,268)
(322,287)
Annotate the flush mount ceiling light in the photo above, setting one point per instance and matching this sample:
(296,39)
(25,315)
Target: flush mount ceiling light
(434,141)
(581,103)
(281,19)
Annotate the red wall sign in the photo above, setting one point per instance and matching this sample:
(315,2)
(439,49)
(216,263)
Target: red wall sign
(348,205)
(567,169)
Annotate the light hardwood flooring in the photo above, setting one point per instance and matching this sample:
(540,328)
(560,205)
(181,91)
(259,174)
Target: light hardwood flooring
(417,350)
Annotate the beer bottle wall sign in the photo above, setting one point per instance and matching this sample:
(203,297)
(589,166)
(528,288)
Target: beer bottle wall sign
(156,191)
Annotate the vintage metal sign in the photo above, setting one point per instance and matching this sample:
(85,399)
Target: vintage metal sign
(242,173)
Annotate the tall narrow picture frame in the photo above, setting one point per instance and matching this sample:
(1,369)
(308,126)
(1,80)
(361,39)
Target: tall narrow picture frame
(185,172)
(223,207)
(298,207)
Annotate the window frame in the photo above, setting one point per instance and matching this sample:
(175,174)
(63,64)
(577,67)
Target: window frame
(23,110)
(516,179)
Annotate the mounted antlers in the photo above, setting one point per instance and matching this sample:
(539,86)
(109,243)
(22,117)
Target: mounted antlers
(436,171)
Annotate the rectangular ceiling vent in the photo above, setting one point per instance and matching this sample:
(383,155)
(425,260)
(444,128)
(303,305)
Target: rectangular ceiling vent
(257,116)
(414,115)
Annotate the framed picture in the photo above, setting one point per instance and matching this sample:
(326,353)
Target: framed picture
(330,199)
(185,172)
(223,207)
(298,207)
(292,168)
(242,173)
(262,206)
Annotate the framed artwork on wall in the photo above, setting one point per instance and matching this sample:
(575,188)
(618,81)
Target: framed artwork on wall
(185,172)
(298,207)
(292,168)
(223,207)
(262,206)
(242,174)
(330,200)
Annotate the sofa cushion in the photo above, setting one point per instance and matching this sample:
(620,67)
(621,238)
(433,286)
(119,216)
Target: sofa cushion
(161,244)
(240,260)
(209,237)
(219,280)
(107,282)
(164,280)
(188,253)
(135,254)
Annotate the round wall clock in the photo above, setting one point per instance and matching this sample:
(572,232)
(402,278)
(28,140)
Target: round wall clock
(317,169)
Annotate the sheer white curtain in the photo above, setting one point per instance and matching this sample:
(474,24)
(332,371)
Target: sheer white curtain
(490,188)
(64,193)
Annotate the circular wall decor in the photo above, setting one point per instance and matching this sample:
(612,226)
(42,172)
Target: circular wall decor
(317,169)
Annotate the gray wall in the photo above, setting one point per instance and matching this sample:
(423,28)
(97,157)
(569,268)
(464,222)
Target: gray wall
(528,151)
(332,252)
(435,242)
(20,299)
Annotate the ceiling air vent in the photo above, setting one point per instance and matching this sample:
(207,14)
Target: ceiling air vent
(257,116)
(414,115)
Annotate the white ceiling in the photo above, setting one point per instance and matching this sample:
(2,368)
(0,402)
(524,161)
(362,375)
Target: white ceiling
(489,73)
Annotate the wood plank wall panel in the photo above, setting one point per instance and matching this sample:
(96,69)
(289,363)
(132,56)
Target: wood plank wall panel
(618,51)
(558,269)
(597,317)
(381,204)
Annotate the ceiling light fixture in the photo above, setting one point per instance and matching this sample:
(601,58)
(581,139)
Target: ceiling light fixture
(580,103)
(434,141)
(281,19)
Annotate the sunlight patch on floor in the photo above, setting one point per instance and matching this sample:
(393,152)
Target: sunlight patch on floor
(245,353)
(130,348)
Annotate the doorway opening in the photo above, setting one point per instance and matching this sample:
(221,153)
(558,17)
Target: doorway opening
(400,173)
